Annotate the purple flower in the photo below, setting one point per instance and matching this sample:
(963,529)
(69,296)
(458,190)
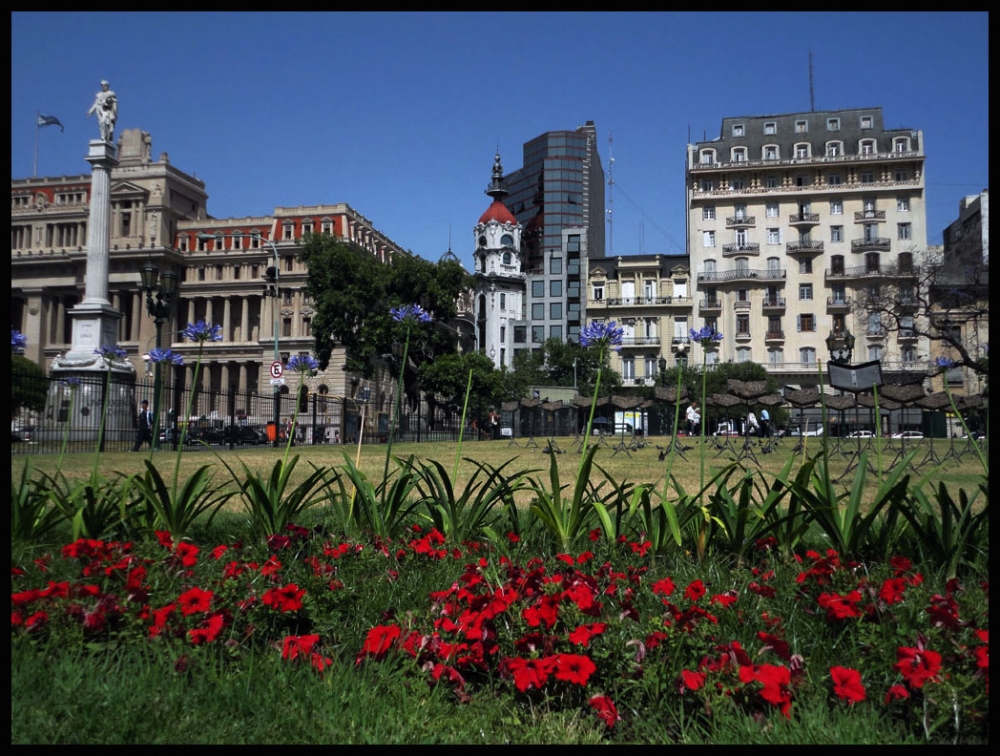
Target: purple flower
(303,363)
(165,355)
(602,334)
(18,341)
(706,336)
(111,352)
(202,332)
(413,312)
(73,381)
(945,362)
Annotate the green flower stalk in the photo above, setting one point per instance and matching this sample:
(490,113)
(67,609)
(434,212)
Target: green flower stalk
(605,337)
(303,365)
(73,384)
(409,316)
(708,338)
(110,354)
(200,332)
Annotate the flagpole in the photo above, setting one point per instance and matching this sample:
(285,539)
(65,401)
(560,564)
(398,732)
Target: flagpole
(34,170)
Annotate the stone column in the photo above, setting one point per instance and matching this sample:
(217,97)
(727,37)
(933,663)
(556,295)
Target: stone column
(227,333)
(245,319)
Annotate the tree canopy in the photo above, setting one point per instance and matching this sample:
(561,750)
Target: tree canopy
(29,385)
(352,293)
(552,365)
(448,376)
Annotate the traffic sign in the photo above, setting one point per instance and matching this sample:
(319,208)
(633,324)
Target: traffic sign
(277,369)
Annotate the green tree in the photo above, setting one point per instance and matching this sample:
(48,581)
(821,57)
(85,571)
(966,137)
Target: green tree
(29,385)
(448,376)
(553,365)
(352,292)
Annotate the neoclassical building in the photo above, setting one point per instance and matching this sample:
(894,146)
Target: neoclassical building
(159,215)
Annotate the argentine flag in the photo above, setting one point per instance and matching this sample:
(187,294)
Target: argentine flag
(46,120)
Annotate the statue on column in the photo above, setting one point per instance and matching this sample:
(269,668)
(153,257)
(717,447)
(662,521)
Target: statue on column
(106,107)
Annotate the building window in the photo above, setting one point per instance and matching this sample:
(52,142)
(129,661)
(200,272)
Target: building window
(803,181)
(538,311)
(874,324)
(902,204)
(773,264)
(771,182)
(307,326)
(836,207)
(801,126)
(837,264)
(875,352)
(743,354)
(805,266)
(537,334)
(909,353)
(805,291)
(775,356)
(737,184)
(628,369)
(771,210)
(307,227)
(598,292)
(739,154)
(867,122)
(774,236)
(202,245)
(237,241)
(836,234)
(774,326)
(770,127)
(201,273)
(742,264)
(538,289)
(503,334)
(506,258)
(802,150)
(833,124)
(555,310)
(288,232)
(742,325)
(503,301)
(901,174)
(286,327)
(900,144)
(327,227)
(738,130)
(236,272)
(867,147)
(708,212)
(555,332)
(218,272)
(833,179)
(771,152)
(868,203)
(555,288)
(807,356)
(709,239)
(806,322)
(555,265)
(706,157)
(520,334)
(904,231)
(906,266)
(707,185)
(867,177)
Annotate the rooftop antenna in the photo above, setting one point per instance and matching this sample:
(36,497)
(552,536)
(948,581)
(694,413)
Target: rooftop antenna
(611,196)
(812,102)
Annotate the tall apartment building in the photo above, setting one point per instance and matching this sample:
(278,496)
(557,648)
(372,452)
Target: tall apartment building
(560,186)
(159,214)
(790,220)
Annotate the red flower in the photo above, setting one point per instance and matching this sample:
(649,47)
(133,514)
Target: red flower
(218,551)
(776,644)
(694,591)
(285,599)
(892,590)
(320,662)
(530,673)
(295,646)
(36,620)
(160,617)
(166,541)
(210,629)
(847,684)
(895,693)
(582,635)
(574,668)
(566,559)
(775,680)
(379,641)
(725,599)
(692,680)
(917,665)
(663,587)
(605,709)
(840,607)
(194,600)
(188,553)
(545,610)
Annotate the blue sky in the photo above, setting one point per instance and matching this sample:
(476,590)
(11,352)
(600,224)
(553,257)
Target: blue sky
(399,114)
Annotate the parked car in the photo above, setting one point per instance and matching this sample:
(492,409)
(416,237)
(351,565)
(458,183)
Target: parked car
(911,434)
(816,430)
(21,433)
(244,434)
(861,434)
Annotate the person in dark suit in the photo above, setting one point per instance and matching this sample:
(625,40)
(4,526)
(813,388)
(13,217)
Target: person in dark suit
(143,427)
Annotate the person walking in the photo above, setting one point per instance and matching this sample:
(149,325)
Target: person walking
(752,427)
(765,423)
(143,427)
(693,419)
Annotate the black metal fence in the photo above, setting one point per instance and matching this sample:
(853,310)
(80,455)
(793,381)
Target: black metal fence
(51,413)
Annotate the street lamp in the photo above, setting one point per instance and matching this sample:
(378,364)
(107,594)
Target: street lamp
(841,346)
(160,292)
(663,371)
(271,277)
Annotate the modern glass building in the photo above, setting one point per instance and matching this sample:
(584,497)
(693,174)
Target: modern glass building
(560,186)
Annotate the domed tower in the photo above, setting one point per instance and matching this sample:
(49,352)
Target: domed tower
(499,281)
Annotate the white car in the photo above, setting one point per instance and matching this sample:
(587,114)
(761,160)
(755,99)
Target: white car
(861,434)
(911,434)
(815,430)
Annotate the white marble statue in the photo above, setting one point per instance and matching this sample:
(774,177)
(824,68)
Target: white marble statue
(106,107)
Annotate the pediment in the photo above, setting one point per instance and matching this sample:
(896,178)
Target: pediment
(128,189)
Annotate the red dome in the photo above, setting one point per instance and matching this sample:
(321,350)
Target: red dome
(498,211)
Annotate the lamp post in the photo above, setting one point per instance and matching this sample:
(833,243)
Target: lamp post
(271,278)
(160,292)
(841,346)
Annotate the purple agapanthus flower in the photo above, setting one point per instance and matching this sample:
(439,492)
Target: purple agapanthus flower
(945,362)
(303,363)
(602,334)
(706,336)
(18,341)
(111,352)
(412,312)
(73,381)
(165,355)
(202,332)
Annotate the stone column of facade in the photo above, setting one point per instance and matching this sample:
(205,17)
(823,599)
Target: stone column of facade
(243,376)
(227,334)
(136,316)
(245,319)
(191,310)
(208,311)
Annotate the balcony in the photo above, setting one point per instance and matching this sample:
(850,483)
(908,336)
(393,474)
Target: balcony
(803,247)
(744,274)
(741,221)
(770,304)
(906,334)
(729,250)
(743,336)
(741,305)
(642,301)
(640,341)
(907,303)
(710,305)
(803,220)
(774,336)
(879,244)
(869,216)
(838,304)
